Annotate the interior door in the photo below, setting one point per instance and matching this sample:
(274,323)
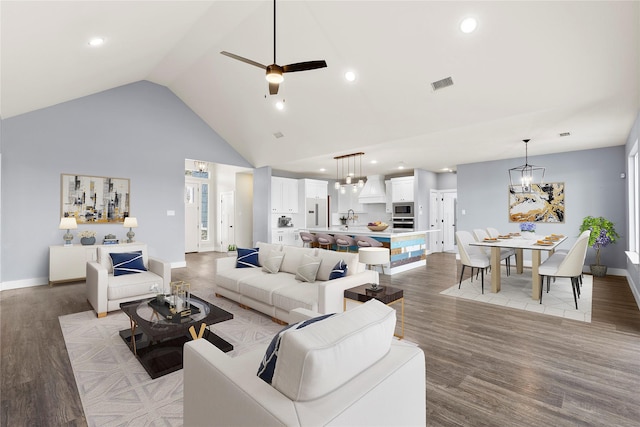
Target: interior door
(191,215)
(449,202)
(227,219)
(435,221)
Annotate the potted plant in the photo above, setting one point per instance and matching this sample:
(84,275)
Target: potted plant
(87,237)
(603,233)
(232,250)
(528,230)
(343,220)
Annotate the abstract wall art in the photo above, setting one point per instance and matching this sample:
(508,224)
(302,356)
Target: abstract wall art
(94,199)
(545,203)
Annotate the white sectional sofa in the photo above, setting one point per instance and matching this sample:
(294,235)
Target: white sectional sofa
(345,370)
(277,294)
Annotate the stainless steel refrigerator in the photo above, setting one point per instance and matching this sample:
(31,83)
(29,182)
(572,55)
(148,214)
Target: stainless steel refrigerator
(316,212)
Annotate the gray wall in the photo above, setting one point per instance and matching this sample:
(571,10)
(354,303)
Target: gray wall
(592,187)
(140,131)
(262,204)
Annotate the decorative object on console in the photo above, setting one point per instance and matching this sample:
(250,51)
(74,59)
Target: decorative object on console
(603,233)
(522,177)
(94,199)
(110,239)
(87,237)
(68,223)
(130,223)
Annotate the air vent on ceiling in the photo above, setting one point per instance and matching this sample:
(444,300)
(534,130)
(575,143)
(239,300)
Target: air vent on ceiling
(278,134)
(565,133)
(441,84)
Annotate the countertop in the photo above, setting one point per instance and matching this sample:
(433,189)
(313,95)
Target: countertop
(364,231)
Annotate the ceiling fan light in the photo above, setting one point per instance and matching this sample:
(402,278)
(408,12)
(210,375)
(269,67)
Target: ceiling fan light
(274,76)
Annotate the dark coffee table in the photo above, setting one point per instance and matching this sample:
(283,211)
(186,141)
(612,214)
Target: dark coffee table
(386,294)
(159,341)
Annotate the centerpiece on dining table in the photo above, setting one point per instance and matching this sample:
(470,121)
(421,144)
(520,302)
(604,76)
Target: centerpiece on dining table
(528,230)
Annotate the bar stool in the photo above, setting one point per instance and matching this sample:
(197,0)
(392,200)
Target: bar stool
(343,241)
(308,239)
(325,240)
(374,256)
(367,242)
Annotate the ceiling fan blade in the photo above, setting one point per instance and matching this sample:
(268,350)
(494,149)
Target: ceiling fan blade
(303,66)
(240,58)
(273,88)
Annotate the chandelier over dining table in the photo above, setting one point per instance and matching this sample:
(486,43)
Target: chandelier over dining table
(353,178)
(521,178)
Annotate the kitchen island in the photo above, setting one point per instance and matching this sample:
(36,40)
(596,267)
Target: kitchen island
(408,249)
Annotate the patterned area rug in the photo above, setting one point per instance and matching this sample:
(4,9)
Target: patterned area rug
(114,387)
(515,292)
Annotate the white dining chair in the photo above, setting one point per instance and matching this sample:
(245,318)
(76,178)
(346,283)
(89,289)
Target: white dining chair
(472,256)
(505,253)
(566,265)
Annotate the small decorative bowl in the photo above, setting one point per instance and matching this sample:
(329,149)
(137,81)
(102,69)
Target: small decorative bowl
(377,227)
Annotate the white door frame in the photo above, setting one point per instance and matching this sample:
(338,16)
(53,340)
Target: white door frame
(227,220)
(442,216)
(191,215)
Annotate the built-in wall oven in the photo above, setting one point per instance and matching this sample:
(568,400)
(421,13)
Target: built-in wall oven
(402,216)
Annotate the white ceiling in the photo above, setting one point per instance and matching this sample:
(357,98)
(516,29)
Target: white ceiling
(530,70)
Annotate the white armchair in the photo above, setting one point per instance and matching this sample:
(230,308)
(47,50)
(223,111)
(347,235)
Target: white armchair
(105,291)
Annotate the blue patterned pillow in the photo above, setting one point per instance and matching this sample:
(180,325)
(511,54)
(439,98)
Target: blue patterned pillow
(339,270)
(127,263)
(247,258)
(268,364)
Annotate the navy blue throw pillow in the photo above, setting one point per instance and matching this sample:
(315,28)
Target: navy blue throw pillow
(247,258)
(127,263)
(339,270)
(268,364)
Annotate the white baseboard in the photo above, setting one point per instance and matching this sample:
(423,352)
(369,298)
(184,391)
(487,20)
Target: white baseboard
(24,283)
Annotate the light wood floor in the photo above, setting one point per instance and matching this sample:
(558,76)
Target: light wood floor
(486,366)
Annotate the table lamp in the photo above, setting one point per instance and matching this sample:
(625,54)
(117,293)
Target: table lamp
(130,223)
(374,256)
(68,223)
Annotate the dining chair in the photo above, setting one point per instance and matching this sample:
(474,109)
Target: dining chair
(565,251)
(505,253)
(344,242)
(367,242)
(326,240)
(308,239)
(566,265)
(472,256)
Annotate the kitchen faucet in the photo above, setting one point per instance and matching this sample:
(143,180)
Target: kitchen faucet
(351,216)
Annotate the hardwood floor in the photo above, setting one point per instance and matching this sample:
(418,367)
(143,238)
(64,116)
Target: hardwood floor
(486,365)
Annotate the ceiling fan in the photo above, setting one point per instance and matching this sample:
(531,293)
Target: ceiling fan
(274,71)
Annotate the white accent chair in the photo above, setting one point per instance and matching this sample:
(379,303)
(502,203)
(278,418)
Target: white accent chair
(379,381)
(105,291)
(472,256)
(566,265)
(505,253)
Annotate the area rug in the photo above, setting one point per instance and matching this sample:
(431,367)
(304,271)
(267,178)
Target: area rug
(515,292)
(114,387)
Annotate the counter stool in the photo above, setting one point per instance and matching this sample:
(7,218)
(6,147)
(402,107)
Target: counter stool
(374,256)
(325,240)
(344,242)
(308,239)
(367,242)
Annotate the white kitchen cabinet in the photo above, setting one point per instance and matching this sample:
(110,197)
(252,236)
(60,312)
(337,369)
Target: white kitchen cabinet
(315,189)
(389,204)
(349,200)
(284,195)
(402,189)
(285,236)
(69,263)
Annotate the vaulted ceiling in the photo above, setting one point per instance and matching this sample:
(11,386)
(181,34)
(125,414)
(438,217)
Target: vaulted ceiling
(530,70)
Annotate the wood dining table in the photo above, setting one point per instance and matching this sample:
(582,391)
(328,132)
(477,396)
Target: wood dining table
(520,244)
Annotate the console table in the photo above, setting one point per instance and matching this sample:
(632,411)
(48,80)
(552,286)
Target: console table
(69,263)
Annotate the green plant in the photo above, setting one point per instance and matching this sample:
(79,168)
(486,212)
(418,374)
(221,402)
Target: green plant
(232,247)
(603,233)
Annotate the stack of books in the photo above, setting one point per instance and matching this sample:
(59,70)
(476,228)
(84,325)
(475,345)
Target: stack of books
(110,241)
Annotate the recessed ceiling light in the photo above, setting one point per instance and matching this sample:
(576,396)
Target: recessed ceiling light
(323,170)
(373,162)
(280,105)
(350,76)
(468,25)
(96,41)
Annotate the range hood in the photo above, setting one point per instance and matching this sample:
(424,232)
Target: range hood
(373,190)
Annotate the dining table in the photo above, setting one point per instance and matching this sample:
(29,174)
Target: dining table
(536,245)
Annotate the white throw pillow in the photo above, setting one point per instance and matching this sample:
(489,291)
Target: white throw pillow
(308,270)
(273,262)
(321,357)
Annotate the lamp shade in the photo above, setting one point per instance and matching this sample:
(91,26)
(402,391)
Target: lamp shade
(68,223)
(374,256)
(130,222)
